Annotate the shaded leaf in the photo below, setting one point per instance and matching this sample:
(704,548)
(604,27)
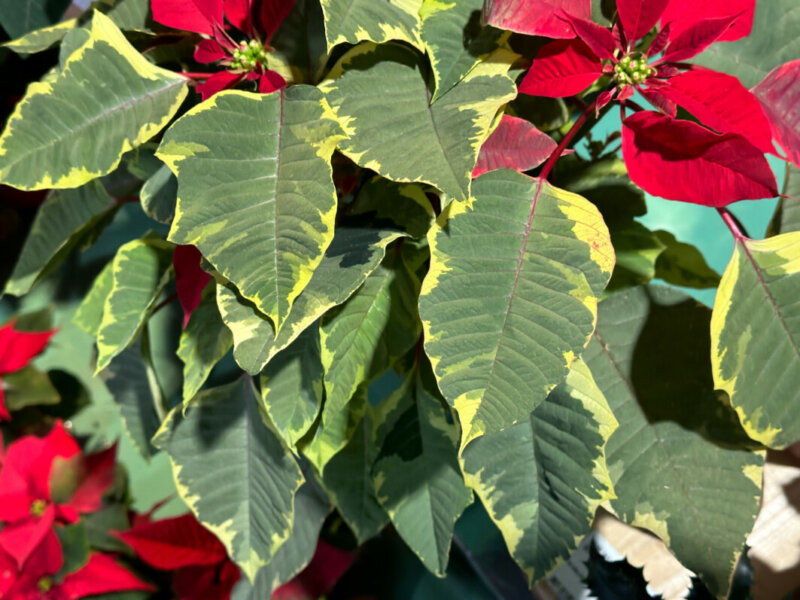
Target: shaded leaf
(351,257)
(403,204)
(442,147)
(21,16)
(28,387)
(542,479)
(292,388)
(203,343)
(417,478)
(756,316)
(252,513)
(360,339)
(637,250)
(787,213)
(64,222)
(506,309)
(678,449)
(268,172)
(683,264)
(106,100)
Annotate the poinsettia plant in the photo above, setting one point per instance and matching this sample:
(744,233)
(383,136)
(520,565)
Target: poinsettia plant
(402,253)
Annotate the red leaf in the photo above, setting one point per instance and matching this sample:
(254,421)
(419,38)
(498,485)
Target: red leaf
(599,39)
(270,82)
(515,144)
(218,82)
(209,50)
(695,38)
(660,41)
(18,348)
(190,279)
(4,414)
(208,582)
(562,68)
(779,94)
(319,577)
(21,539)
(47,558)
(96,474)
(101,575)
(720,102)
(657,99)
(536,17)
(680,160)
(272,14)
(170,544)
(199,16)
(239,13)
(683,14)
(638,17)
(8,572)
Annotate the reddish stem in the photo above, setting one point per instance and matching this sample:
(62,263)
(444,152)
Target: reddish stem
(196,76)
(562,145)
(732,223)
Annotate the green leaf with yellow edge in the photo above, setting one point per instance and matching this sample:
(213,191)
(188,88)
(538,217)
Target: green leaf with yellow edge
(679,450)
(106,100)
(363,337)
(787,213)
(41,39)
(203,343)
(65,220)
(311,507)
(159,193)
(255,193)
(351,257)
(90,311)
(683,264)
(416,473)
(139,272)
(511,296)
(292,388)
(542,479)
(347,478)
(399,133)
(233,472)
(353,21)
(755,337)
(455,40)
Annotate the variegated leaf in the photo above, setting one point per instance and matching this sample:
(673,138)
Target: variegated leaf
(511,296)
(255,193)
(292,388)
(353,21)
(351,257)
(107,99)
(233,472)
(416,473)
(66,220)
(542,479)
(755,337)
(679,451)
(399,133)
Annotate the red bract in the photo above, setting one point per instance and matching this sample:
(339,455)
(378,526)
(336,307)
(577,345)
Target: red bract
(779,94)
(190,279)
(720,102)
(245,59)
(535,17)
(201,566)
(17,349)
(101,575)
(515,144)
(27,506)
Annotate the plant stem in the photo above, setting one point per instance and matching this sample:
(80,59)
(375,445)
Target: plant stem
(164,302)
(196,76)
(737,229)
(562,145)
